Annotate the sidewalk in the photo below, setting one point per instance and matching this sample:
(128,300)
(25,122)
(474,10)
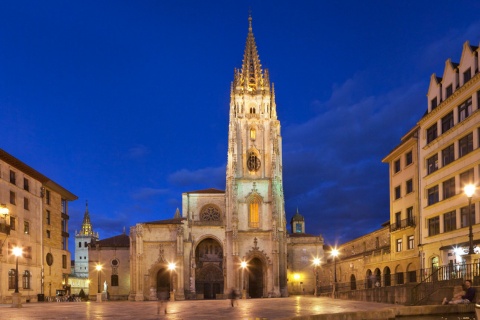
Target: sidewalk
(297,307)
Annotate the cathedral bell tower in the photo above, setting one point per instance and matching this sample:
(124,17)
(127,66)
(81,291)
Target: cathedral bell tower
(255,215)
(82,240)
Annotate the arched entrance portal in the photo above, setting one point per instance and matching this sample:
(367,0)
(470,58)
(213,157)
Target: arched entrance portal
(255,278)
(163,283)
(208,272)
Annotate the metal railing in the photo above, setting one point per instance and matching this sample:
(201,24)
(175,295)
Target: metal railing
(428,280)
(402,224)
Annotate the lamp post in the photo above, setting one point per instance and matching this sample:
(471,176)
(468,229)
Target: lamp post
(243,264)
(171,267)
(334,254)
(16,299)
(316,263)
(98,267)
(469,191)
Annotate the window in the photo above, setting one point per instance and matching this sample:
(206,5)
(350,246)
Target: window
(433,226)
(398,219)
(447,122)
(408,158)
(465,145)
(298,227)
(11,279)
(12,223)
(448,91)
(464,216)
(399,245)
(410,217)
(26,186)
(465,110)
(400,279)
(47,196)
(12,197)
(48,234)
(432,195)
(409,186)
(448,155)
(64,225)
(13,178)
(410,242)
(432,133)
(432,164)
(25,203)
(114,280)
(254,218)
(64,243)
(397,166)
(253,134)
(433,103)
(449,221)
(448,188)
(26,227)
(80,244)
(466,177)
(398,192)
(64,206)
(467,75)
(210,213)
(26,279)
(64,261)
(48,217)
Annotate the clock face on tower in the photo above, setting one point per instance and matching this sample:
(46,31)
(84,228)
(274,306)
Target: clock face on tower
(253,163)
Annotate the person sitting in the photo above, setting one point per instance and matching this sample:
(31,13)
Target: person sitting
(464,297)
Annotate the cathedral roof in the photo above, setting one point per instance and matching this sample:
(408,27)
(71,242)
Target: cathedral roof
(117,241)
(300,235)
(167,221)
(87,229)
(209,190)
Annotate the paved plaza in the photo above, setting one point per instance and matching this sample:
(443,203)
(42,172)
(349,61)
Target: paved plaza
(273,308)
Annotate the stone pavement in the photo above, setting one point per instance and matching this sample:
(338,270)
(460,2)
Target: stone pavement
(299,307)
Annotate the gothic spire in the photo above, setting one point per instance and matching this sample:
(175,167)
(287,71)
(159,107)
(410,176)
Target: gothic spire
(251,77)
(87,229)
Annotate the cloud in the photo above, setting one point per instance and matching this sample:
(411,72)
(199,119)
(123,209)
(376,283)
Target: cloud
(207,177)
(138,152)
(148,193)
(332,163)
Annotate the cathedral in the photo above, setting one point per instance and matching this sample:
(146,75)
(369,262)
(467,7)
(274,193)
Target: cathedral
(232,239)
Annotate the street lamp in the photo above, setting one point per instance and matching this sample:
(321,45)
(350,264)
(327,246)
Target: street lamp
(98,267)
(243,264)
(16,300)
(171,267)
(469,190)
(334,253)
(316,264)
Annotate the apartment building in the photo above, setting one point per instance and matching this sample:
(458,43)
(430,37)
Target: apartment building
(449,158)
(34,217)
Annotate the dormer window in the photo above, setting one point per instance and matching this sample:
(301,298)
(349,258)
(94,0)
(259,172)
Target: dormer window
(467,75)
(434,103)
(448,91)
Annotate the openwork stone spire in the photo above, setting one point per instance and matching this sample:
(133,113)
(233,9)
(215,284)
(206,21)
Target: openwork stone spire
(251,77)
(87,229)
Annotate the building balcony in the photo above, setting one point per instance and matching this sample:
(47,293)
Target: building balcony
(402,224)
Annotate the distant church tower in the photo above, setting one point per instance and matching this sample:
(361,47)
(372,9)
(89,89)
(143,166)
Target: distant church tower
(82,239)
(255,215)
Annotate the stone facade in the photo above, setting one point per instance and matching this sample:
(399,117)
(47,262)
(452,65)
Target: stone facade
(218,230)
(37,221)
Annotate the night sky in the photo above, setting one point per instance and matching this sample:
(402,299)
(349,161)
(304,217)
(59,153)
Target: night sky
(125,103)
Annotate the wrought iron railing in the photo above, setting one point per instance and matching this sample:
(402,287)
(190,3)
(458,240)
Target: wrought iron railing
(402,224)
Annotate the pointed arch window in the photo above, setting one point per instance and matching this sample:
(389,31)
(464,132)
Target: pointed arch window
(253,133)
(254,215)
